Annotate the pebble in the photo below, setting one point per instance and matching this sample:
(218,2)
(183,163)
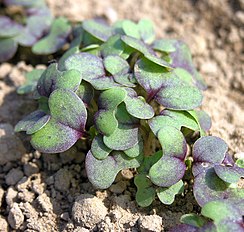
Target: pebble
(15,217)
(26,195)
(4,224)
(1,196)
(11,196)
(119,187)
(62,180)
(30,169)
(13,176)
(5,69)
(88,210)
(45,202)
(11,147)
(146,225)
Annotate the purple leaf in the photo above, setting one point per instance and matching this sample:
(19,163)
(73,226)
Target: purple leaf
(9,28)
(209,149)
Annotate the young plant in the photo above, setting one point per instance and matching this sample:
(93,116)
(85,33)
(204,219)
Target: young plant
(37,30)
(108,89)
(216,216)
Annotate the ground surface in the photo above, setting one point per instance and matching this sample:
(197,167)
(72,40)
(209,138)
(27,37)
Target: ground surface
(51,193)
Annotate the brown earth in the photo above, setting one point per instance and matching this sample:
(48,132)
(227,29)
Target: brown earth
(51,192)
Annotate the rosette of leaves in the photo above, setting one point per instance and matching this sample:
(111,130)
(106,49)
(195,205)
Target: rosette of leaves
(36,29)
(108,89)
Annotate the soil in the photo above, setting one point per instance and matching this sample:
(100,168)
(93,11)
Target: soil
(41,192)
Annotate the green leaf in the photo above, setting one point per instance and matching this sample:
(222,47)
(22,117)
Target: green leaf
(99,149)
(123,138)
(219,210)
(135,104)
(164,45)
(145,50)
(145,191)
(113,46)
(115,64)
(98,29)
(173,142)
(56,38)
(8,48)
(146,30)
(131,29)
(167,195)
(30,84)
(193,220)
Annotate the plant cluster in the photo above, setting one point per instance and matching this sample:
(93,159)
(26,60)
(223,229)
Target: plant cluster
(33,27)
(133,98)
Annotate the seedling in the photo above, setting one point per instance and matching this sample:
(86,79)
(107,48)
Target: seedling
(36,29)
(133,99)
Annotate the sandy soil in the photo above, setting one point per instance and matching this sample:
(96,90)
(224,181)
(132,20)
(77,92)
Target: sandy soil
(40,192)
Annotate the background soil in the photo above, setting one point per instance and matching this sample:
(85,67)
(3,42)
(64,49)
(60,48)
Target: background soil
(42,192)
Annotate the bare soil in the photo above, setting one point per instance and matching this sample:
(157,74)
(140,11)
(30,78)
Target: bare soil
(41,192)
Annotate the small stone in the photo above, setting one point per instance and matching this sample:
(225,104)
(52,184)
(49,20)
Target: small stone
(119,187)
(62,180)
(88,210)
(26,196)
(30,169)
(4,224)
(127,174)
(24,183)
(65,216)
(45,202)
(28,210)
(1,196)
(11,147)
(240,16)
(15,217)
(81,229)
(151,223)
(5,69)
(11,196)
(209,67)
(13,176)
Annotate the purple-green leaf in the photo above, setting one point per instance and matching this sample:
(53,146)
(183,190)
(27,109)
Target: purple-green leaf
(102,173)
(167,171)
(181,58)
(32,122)
(229,174)
(66,126)
(166,87)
